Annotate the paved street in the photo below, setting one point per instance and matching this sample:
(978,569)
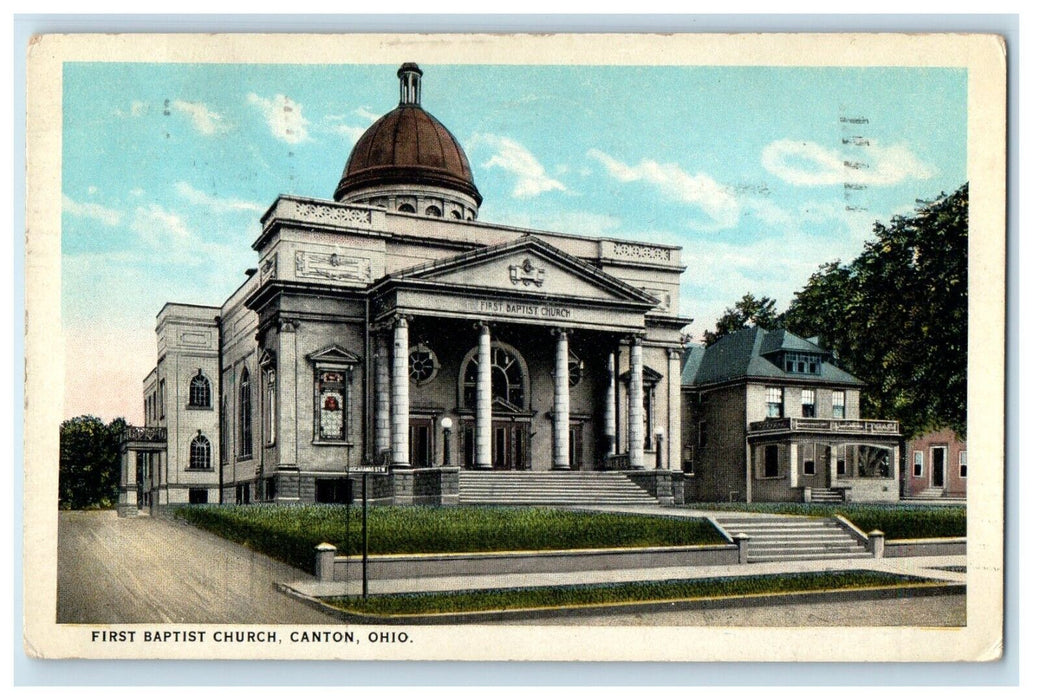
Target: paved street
(134,570)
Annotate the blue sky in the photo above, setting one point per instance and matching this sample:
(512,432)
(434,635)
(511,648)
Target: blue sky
(761,174)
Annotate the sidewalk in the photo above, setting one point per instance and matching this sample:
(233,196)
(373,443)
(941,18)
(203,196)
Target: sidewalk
(927,567)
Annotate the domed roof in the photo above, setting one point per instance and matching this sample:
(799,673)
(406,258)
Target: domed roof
(408,146)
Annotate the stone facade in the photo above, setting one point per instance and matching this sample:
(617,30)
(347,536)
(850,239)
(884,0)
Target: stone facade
(414,340)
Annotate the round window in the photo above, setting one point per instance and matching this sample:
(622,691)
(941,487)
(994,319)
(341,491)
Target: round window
(574,367)
(422,364)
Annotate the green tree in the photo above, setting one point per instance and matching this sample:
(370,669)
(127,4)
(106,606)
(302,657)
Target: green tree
(88,464)
(897,316)
(748,311)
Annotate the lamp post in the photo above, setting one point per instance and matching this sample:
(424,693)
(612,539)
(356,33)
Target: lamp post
(446,427)
(659,442)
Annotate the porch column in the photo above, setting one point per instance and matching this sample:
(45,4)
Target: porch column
(127,484)
(562,404)
(399,396)
(674,411)
(382,390)
(609,418)
(482,438)
(635,404)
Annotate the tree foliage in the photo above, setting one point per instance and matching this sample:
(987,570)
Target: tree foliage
(748,311)
(88,467)
(897,316)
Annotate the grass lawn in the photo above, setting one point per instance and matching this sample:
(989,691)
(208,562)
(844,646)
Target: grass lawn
(580,595)
(290,533)
(899,521)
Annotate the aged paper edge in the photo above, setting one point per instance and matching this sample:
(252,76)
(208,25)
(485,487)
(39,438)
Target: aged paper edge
(983,56)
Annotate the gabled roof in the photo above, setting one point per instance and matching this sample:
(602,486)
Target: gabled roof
(446,267)
(334,354)
(744,354)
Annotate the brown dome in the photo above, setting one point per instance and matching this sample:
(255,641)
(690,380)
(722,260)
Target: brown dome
(408,146)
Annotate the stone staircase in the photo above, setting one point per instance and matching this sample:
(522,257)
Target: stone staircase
(550,489)
(792,538)
(825,495)
(932,493)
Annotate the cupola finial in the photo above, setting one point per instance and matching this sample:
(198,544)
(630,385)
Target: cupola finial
(411,83)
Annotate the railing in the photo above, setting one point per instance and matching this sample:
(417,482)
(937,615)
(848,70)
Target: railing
(134,433)
(827,425)
(617,462)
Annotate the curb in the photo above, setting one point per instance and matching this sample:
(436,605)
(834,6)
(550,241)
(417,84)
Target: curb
(804,598)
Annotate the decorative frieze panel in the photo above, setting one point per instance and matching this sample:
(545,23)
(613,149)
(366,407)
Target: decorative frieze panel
(663,296)
(269,268)
(637,251)
(195,339)
(333,266)
(332,214)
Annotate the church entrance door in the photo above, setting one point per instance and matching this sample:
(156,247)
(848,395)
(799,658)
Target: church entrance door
(509,445)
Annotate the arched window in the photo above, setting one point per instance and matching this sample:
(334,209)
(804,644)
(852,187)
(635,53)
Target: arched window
(199,452)
(455,214)
(199,391)
(433,211)
(406,208)
(245,416)
(508,377)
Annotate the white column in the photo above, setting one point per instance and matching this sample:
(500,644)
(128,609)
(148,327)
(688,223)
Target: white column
(285,377)
(609,418)
(399,397)
(674,460)
(482,438)
(562,404)
(382,390)
(635,404)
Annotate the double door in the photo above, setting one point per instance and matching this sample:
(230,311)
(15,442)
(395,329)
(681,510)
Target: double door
(510,444)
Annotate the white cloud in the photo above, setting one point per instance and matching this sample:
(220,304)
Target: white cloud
(89,210)
(511,156)
(203,118)
(215,204)
(137,192)
(807,163)
(716,201)
(364,113)
(284,117)
(353,133)
(138,108)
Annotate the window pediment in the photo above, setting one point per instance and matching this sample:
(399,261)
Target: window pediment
(334,355)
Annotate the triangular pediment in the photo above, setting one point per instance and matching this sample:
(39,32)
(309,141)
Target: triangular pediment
(334,354)
(528,265)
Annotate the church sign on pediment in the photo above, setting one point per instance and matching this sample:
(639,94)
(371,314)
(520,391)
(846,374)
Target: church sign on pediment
(526,273)
(333,266)
(513,309)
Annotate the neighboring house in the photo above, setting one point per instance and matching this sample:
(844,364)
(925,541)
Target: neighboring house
(937,466)
(769,416)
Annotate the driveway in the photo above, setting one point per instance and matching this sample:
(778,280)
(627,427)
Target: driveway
(137,570)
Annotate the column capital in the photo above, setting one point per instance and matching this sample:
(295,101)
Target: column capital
(288,325)
(483,326)
(636,338)
(556,332)
(402,319)
(675,353)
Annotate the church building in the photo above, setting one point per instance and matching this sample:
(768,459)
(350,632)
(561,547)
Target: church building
(389,329)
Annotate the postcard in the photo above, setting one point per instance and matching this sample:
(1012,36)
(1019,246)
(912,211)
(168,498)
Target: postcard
(514,347)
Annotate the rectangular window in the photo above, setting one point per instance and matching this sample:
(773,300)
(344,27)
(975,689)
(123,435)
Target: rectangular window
(162,399)
(964,464)
(809,467)
(771,462)
(838,404)
(918,463)
(808,403)
(198,496)
(841,461)
(702,434)
(331,405)
(774,402)
(873,462)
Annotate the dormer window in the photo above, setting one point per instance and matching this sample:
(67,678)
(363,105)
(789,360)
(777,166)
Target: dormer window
(802,363)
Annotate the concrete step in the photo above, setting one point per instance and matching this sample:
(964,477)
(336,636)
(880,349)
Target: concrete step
(810,557)
(550,488)
(793,538)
